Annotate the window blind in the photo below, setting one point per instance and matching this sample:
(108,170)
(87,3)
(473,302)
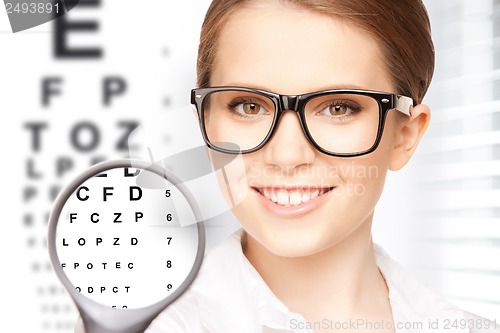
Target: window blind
(460,163)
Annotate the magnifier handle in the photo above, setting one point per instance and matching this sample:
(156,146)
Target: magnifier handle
(89,325)
(79,327)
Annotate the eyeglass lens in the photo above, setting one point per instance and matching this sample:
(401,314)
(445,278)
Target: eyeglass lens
(337,122)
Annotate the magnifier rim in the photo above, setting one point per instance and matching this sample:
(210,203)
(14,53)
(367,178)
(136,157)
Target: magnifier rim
(94,313)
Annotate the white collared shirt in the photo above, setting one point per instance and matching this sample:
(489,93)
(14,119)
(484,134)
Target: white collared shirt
(229,296)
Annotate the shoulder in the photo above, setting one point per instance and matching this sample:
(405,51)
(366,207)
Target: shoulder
(414,302)
(182,316)
(479,324)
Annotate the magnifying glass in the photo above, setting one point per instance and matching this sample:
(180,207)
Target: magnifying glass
(124,250)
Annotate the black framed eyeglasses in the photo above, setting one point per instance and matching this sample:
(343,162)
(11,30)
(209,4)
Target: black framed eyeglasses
(341,122)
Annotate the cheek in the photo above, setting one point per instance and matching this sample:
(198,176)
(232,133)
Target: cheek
(231,175)
(361,187)
(361,181)
(365,176)
(247,210)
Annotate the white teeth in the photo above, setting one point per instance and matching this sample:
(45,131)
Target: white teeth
(295,198)
(273,197)
(306,196)
(283,198)
(291,197)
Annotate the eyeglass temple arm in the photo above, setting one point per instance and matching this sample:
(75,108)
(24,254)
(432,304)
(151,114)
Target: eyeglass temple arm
(403,104)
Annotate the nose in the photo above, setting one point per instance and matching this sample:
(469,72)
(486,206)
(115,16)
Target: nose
(289,149)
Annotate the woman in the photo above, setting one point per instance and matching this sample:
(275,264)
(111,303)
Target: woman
(322,97)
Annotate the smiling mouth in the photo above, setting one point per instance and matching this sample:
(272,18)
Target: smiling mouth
(292,196)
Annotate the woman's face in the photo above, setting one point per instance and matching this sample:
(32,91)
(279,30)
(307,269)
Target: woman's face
(296,51)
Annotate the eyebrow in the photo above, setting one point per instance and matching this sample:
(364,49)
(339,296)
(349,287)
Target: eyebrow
(310,90)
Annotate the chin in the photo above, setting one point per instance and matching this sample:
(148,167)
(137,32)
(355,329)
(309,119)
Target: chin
(290,248)
(303,237)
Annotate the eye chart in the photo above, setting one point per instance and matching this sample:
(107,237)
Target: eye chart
(72,92)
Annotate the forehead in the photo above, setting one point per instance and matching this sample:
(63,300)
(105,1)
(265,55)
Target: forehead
(292,51)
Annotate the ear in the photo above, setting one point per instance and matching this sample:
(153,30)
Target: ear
(408,136)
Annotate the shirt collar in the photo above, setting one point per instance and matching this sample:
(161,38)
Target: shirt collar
(411,302)
(271,311)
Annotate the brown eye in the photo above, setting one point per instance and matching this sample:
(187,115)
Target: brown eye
(251,108)
(338,110)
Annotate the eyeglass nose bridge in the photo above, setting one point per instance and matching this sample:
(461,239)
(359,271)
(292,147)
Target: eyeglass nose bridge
(289,102)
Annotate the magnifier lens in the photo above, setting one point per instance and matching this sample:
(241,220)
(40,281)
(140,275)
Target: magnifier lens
(122,244)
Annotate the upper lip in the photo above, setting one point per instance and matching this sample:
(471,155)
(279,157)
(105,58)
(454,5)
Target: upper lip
(293,187)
